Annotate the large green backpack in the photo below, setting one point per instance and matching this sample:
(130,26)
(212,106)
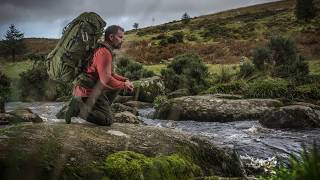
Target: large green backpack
(73,51)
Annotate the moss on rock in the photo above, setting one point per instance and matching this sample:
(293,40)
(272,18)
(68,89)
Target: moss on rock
(131,165)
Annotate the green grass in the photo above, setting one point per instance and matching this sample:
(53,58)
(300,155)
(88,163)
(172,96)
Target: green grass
(212,68)
(216,68)
(13,69)
(155,68)
(314,67)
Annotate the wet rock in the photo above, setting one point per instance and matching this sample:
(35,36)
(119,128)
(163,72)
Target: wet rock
(148,89)
(227,96)
(123,99)
(210,108)
(294,116)
(6,118)
(118,108)
(60,151)
(126,117)
(138,104)
(20,115)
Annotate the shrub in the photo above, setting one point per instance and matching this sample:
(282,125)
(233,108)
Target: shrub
(284,50)
(172,40)
(178,36)
(261,56)
(234,87)
(191,37)
(132,69)
(216,31)
(309,91)
(247,69)
(141,33)
(4,86)
(186,71)
(282,59)
(268,88)
(4,90)
(159,37)
(299,70)
(33,83)
(224,76)
(305,10)
(163,42)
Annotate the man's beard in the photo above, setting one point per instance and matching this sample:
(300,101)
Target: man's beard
(118,46)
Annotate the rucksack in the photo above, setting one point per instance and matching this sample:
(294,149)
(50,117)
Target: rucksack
(73,52)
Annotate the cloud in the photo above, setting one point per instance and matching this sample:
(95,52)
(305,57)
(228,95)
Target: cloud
(55,14)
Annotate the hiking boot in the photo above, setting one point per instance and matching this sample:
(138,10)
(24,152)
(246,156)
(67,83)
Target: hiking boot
(72,110)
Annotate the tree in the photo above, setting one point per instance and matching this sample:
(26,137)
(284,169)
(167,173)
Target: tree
(4,90)
(13,43)
(185,18)
(305,10)
(136,25)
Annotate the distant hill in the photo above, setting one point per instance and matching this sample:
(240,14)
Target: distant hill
(35,46)
(40,45)
(218,38)
(226,36)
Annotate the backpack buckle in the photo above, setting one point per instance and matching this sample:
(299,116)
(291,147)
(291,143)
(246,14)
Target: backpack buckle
(85,37)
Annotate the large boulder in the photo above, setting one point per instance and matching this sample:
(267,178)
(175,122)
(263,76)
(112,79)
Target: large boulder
(294,116)
(121,151)
(148,89)
(18,116)
(210,108)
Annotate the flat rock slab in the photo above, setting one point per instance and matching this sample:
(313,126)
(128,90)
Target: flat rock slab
(212,109)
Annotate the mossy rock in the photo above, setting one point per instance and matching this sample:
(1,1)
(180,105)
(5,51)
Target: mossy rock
(179,93)
(148,89)
(78,151)
(126,117)
(130,165)
(118,108)
(21,115)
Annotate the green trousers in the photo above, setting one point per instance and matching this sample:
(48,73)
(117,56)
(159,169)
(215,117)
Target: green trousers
(96,110)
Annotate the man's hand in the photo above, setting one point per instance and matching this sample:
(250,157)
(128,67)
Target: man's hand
(128,85)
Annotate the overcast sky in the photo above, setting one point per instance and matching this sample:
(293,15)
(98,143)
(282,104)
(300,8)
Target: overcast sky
(46,18)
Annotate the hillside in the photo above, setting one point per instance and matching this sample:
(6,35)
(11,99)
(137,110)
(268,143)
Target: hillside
(220,38)
(40,45)
(34,46)
(226,36)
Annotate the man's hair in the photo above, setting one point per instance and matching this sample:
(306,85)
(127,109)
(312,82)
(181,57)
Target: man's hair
(113,29)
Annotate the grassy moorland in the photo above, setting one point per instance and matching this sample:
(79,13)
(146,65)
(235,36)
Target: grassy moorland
(225,37)
(221,40)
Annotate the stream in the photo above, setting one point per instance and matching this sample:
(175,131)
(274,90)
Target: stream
(250,140)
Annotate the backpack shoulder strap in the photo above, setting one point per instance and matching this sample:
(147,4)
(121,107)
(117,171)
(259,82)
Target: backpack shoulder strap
(100,45)
(107,46)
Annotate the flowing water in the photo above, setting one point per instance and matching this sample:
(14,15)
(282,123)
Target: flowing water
(248,138)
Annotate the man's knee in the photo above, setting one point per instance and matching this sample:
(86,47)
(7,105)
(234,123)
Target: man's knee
(100,118)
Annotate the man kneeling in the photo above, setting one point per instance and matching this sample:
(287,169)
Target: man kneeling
(98,86)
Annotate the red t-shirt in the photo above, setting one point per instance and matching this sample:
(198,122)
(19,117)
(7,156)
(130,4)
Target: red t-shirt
(101,68)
